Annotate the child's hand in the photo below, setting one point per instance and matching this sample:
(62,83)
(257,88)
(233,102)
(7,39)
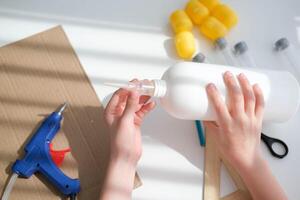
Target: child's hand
(237,129)
(237,133)
(124,115)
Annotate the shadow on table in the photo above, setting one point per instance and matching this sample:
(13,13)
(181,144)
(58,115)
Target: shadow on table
(179,135)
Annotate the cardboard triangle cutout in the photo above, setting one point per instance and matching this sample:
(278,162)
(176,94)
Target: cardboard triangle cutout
(213,162)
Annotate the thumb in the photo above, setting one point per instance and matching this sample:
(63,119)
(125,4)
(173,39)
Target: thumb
(211,126)
(131,104)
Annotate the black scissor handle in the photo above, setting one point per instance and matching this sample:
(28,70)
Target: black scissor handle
(270,141)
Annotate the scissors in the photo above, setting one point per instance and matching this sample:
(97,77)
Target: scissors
(271,141)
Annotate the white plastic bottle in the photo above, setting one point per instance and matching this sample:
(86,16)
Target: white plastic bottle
(182,90)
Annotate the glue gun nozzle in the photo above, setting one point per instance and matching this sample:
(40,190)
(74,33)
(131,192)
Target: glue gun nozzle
(62,108)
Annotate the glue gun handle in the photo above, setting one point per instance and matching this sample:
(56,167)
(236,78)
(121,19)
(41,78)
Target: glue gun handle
(63,183)
(37,157)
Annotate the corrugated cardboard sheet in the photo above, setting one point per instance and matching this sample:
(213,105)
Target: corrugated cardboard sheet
(37,74)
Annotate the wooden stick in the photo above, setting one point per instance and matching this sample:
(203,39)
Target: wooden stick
(238,195)
(235,176)
(212,170)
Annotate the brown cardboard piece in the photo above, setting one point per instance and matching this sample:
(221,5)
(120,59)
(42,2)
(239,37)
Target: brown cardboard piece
(37,74)
(213,160)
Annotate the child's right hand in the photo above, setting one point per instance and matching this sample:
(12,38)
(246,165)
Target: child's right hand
(237,129)
(237,133)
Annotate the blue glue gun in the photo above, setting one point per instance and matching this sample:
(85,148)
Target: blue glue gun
(38,159)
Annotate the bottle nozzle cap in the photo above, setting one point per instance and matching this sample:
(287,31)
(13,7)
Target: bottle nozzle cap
(117,84)
(160,87)
(155,87)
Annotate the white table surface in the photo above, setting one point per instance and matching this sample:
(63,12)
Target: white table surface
(121,40)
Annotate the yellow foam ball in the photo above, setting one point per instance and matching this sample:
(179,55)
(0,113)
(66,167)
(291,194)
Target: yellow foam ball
(225,15)
(213,29)
(185,44)
(180,21)
(210,4)
(196,11)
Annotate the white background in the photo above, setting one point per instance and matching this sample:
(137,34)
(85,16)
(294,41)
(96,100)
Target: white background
(120,40)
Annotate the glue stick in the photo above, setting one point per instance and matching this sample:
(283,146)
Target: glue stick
(288,55)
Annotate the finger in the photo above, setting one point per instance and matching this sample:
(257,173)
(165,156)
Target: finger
(247,90)
(218,104)
(131,105)
(116,99)
(145,109)
(135,80)
(144,99)
(236,102)
(259,101)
